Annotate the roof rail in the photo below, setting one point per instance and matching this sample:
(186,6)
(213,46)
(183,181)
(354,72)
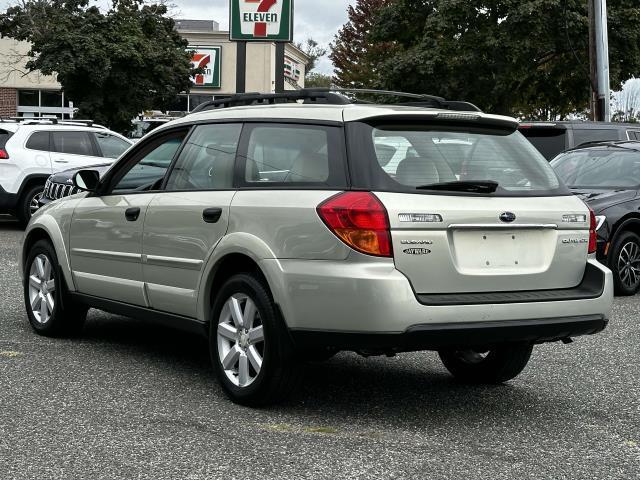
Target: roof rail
(51,120)
(333,96)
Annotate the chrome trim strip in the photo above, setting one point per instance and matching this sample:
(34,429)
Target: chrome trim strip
(104,254)
(173,262)
(503,226)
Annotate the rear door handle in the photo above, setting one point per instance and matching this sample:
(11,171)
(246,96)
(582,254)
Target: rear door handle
(61,161)
(211,215)
(132,214)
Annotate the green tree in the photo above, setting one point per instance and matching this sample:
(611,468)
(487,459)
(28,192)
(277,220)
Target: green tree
(112,65)
(314,51)
(518,57)
(318,80)
(353,54)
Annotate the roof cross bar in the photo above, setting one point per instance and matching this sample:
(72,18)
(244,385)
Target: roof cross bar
(332,96)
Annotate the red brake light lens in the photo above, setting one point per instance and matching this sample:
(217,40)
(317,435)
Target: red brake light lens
(593,236)
(360,220)
(3,154)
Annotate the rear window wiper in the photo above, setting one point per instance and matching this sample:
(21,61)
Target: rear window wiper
(472,186)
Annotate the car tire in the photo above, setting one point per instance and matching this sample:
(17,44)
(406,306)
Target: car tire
(250,348)
(29,203)
(624,261)
(493,366)
(50,310)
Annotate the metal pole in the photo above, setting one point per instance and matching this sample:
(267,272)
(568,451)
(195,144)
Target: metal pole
(241,67)
(593,78)
(602,54)
(280,67)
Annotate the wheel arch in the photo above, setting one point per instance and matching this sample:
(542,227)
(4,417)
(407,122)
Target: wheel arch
(235,253)
(30,181)
(628,223)
(46,228)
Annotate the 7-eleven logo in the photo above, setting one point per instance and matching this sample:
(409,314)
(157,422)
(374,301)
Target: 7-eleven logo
(201,60)
(260,18)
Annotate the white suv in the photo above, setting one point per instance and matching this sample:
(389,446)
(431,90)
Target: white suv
(33,149)
(276,231)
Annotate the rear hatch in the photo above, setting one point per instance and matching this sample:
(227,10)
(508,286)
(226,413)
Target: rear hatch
(473,207)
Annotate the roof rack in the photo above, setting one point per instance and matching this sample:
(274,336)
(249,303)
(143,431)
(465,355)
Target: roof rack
(50,120)
(333,96)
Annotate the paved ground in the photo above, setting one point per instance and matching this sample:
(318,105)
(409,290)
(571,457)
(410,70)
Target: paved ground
(127,401)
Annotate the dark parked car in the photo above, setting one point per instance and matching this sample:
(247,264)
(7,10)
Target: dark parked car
(552,138)
(606,176)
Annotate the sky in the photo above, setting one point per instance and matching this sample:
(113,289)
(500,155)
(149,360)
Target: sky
(317,19)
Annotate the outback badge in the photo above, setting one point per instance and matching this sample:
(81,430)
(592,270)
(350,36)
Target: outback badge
(417,251)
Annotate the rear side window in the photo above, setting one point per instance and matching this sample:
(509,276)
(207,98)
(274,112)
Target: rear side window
(290,155)
(427,156)
(110,145)
(548,141)
(39,141)
(4,136)
(207,160)
(582,136)
(74,143)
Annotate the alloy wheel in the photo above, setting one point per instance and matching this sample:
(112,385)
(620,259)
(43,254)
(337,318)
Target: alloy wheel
(629,265)
(42,287)
(240,339)
(34,204)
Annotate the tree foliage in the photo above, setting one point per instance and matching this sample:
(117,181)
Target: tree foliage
(318,80)
(519,57)
(314,51)
(112,65)
(353,54)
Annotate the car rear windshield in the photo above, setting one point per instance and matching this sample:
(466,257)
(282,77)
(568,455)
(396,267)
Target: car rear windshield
(549,141)
(4,136)
(454,160)
(599,168)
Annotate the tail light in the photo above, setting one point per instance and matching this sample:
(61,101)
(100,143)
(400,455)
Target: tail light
(3,154)
(360,220)
(593,236)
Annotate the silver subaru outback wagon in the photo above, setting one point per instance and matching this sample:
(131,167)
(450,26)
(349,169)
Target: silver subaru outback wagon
(288,227)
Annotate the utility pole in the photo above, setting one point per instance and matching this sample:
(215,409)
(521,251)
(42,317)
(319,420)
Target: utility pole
(599,56)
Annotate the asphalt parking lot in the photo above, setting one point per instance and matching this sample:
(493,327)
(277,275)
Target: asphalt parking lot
(129,400)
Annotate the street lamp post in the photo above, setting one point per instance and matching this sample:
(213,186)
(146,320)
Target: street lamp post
(599,37)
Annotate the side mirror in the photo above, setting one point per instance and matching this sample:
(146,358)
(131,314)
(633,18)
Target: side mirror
(86,180)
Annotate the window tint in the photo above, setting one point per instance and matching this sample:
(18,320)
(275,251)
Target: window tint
(4,136)
(288,154)
(207,160)
(150,169)
(434,155)
(110,145)
(39,141)
(75,143)
(581,136)
(548,141)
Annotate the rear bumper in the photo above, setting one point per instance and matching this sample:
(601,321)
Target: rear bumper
(442,336)
(370,296)
(8,201)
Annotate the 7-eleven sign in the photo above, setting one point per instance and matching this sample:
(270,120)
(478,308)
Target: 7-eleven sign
(208,59)
(261,20)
